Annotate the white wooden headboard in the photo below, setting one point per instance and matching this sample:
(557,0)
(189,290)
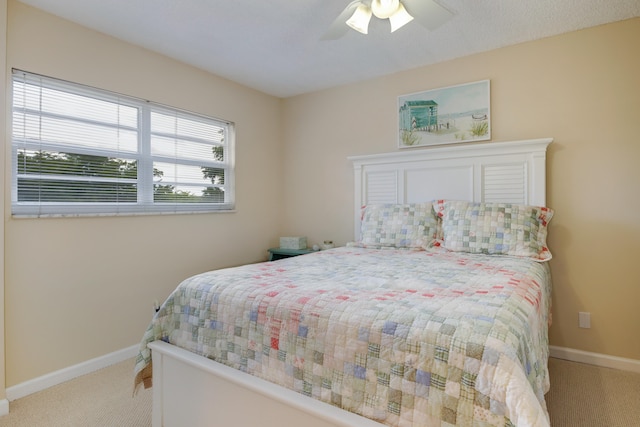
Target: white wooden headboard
(509,172)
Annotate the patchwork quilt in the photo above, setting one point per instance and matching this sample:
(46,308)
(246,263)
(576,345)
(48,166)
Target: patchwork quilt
(404,337)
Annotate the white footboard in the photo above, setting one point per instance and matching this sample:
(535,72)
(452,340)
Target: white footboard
(190,390)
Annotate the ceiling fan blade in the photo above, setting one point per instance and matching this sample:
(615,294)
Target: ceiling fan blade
(427,13)
(339,27)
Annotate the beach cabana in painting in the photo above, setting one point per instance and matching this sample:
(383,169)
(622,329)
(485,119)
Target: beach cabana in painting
(447,115)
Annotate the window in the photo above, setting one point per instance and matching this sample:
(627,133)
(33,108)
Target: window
(79,150)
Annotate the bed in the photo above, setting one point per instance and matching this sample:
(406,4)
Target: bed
(436,315)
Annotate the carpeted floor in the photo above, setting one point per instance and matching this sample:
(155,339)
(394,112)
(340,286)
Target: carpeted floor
(580,396)
(101,399)
(588,396)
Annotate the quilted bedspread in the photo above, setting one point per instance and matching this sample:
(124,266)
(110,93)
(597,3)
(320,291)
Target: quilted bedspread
(407,338)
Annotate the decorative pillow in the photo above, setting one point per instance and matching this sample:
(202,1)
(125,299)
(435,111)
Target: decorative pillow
(411,225)
(495,228)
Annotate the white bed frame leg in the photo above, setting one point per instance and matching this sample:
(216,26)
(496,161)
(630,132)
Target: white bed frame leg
(156,407)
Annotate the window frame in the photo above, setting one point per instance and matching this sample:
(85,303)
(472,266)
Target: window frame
(144,157)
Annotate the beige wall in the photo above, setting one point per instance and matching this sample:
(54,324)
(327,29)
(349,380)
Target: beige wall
(582,89)
(79,288)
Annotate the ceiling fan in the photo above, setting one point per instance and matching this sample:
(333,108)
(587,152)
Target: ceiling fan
(358,13)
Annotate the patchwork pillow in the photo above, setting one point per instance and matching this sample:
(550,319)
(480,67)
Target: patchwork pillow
(412,225)
(495,228)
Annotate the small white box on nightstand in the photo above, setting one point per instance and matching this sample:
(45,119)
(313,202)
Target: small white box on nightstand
(293,242)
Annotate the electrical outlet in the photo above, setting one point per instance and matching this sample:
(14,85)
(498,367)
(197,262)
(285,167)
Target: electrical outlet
(584,319)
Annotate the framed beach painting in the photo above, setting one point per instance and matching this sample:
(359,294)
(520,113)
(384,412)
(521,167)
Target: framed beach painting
(447,115)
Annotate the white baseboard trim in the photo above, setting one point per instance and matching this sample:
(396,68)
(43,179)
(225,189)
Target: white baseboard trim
(4,407)
(597,359)
(54,378)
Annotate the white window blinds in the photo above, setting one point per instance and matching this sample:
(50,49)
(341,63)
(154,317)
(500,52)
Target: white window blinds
(79,150)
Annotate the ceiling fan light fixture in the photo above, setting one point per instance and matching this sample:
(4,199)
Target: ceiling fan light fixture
(359,21)
(383,9)
(400,18)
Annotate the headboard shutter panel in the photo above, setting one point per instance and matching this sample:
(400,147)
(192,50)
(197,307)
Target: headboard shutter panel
(381,187)
(505,183)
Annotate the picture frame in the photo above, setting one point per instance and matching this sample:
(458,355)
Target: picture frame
(447,115)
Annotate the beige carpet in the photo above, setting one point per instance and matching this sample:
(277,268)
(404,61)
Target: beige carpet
(101,399)
(580,396)
(588,396)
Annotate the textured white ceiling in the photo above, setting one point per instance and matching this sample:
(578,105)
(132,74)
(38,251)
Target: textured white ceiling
(275,46)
